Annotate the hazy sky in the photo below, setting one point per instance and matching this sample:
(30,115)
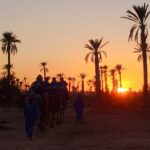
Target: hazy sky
(56,31)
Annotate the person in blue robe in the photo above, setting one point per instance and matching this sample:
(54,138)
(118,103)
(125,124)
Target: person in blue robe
(79,107)
(31,110)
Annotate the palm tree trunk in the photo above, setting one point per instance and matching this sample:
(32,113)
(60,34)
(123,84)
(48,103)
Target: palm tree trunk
(69,87)
(44,73)
(106,85)
(113,82)
(144,48)
(83,87)
(120,79)
(9,63)
(97,75)
(102,81)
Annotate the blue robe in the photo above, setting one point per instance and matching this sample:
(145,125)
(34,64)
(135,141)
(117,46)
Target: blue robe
(31,114)
(79,106)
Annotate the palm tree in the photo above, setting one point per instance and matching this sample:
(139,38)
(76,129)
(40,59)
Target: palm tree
(73,84)
(119,68)
(17,81)
(44,69)
(90,84)
(101,74)
(73,81)
(69,83)
(7,66)
(95,47)
(60,75)
(82,76)
(5,73)
(25,83)
(20,84)
(138,50)
(105,67)
(139,29)
(112,73)
(9,47)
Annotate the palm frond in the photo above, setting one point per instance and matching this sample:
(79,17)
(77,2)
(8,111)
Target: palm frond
(147,15)
(129,18)
(100,41)
(132,32)
(100,57)
(139,58)
(136,35)
(103,45)
(87,56)
(104,53)
(43,64)
(133,15)
(89,47)
(82,75)
(95,44)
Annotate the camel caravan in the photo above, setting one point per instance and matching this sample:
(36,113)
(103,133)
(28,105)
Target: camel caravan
(45,104)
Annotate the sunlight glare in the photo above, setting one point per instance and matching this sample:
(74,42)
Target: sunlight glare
(122,90)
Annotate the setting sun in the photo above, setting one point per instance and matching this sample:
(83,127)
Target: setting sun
(122,90)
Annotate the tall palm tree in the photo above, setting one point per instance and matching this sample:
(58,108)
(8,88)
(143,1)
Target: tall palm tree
(119,69)
(140,31)
(9,47)
(44,69)
(95,47)
(82,76)
(105,67)
(112,73)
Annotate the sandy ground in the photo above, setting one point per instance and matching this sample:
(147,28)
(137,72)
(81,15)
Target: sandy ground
(117,131)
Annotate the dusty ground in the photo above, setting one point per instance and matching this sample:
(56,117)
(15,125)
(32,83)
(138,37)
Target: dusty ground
(117,131)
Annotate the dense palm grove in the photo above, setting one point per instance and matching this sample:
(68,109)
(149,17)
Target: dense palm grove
(13,89)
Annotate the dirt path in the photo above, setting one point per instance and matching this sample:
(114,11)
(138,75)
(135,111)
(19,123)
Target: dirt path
(97,132)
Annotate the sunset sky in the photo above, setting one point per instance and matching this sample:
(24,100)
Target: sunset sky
(56,31)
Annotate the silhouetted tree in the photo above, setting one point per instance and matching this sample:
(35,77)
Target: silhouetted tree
(105,68)
(82,76)
(95,47)
(69,83)
(44,69)
(60,75)
(139,17)
(119,68)
(101,74)
(5,72)
(112,73)
(25,83)
(90,84)
(17,82)
(73,81)
(20,84)
(73,84)
(9,47)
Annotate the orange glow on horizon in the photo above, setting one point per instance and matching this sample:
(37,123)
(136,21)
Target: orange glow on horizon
(122,90)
